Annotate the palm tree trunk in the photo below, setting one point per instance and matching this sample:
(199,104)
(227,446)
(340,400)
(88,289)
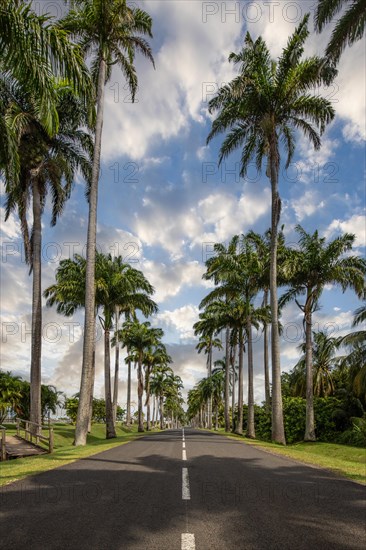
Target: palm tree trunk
(128,412)
(310,423)
(147,403)
(110,430)
(161,412)
(217,418)
(153,414)
(116,370)
(227,381)
(267,390)
(233,359)
(36,345)
(140,391)
(250,426)
(239,427)
(92,395)
(82,419)
(278,432)
(209,402)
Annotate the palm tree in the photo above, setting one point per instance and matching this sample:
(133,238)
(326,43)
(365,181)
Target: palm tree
(116,285)
(262,246)
(158,384)
(349,28)
(219,269)
(122,287)
(133,290)
(324,362)
(49,55)
(140,337)
(308,270)
(111,32)
(206,343)
(261,108)
(220,364)
(48,165)
(173,399)
(218,381)
(154,358)
(355,361)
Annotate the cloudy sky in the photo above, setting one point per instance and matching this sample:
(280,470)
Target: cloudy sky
(163,201)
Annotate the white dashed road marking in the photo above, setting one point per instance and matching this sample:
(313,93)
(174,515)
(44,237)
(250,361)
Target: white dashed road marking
(186,493)
(188,542)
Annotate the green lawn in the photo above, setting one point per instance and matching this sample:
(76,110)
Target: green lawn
(65,452)
(344,460)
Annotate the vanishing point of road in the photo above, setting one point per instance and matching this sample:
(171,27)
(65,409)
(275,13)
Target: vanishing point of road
(183,490)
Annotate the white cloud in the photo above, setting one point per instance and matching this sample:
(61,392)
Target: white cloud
(307,204)
(229,215)
(356,224)
(181,320)
(170,97)
(10,228)
(169,279)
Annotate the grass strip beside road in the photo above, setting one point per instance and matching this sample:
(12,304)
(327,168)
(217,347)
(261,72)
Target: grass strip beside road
(343,460)
(65,452)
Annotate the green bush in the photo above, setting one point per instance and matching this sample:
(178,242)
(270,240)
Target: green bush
(337,419)
(356,435)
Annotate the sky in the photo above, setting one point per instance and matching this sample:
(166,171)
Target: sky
(164,202)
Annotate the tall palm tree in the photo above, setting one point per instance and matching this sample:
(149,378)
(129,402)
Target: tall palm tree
(122,287)
(111,33)
(262,246)
(219,269)
(158,384)
(140,337)
(117,284)
(349,28)
(218,381)
(219,366)
(261,108)
(135,290)
(207,342)
(48,166)
(309,269)
(154,358)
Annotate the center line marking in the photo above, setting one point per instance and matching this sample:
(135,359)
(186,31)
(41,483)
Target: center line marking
(184,445)
(186,493)
(188,542)
(184,455)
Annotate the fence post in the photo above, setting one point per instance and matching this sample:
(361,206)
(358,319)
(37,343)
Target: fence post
(3,438)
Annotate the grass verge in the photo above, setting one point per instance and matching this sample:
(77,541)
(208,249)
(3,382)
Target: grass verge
(64,452)
(343,460)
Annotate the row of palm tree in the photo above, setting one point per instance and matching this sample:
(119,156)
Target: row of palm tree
(260,111)
(119,290)
(51,126)
(241,274)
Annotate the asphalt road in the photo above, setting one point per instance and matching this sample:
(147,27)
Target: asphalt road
(190,490)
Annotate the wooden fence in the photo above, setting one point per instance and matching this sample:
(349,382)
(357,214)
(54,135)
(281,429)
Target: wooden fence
(33,433)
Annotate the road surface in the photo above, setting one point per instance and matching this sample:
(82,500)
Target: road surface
(184,490)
